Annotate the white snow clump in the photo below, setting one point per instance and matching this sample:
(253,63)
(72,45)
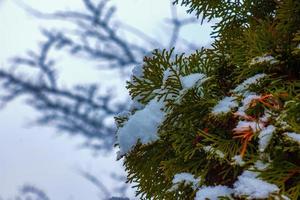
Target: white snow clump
(190,80)
(249,185)
(142,125)
(185,178)
(213,192)
(250,81)
(225,105)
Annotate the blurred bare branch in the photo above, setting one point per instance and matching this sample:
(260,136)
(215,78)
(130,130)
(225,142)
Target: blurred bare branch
(29,192)
(96,34)
(177,25)
(78,110)
(96,182)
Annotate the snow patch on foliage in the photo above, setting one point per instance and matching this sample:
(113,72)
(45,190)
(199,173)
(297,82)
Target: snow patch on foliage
(243,126)
(246,103)
(249,185)
(191,79)
(210,149)
(123,114)
(136,105)
(266,117)
(284,197)
(265,137)
(262,59)
(293,136)
(166,74)
(259,165)
(138,71)
(213,192)
(238,160)
(250,81)
(141,126)
(185,178)
(225,105)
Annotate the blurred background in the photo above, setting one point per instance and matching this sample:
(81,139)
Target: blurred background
(63,71)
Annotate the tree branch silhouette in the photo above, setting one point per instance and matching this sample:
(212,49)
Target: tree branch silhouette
(31,192)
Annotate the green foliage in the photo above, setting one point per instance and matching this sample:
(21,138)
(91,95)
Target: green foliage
(252,37)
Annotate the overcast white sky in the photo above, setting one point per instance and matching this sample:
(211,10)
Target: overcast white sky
(37,155)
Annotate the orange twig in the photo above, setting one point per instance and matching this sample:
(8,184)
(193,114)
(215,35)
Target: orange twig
(264,100)
(246,136)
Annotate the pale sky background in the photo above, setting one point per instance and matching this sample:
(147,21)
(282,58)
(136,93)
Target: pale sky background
(38,155)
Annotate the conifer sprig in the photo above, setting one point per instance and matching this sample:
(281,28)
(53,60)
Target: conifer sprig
(231,112)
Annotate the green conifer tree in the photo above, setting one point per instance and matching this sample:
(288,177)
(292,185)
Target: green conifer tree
(223,122)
